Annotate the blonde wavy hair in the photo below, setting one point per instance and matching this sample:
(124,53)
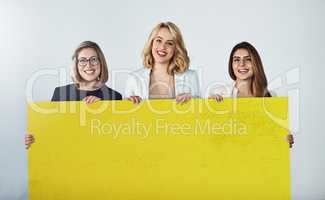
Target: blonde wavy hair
(103,76)
(180,60)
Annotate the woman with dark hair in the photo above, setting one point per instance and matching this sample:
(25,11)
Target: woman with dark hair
(246,69)
(89,75)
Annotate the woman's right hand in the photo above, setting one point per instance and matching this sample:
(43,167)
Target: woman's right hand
(135,99)
(290,140)
(217,97)
(29,140)
(91,99)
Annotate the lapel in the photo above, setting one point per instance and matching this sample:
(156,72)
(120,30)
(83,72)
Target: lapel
(234,90)
(146,79)
(179,83)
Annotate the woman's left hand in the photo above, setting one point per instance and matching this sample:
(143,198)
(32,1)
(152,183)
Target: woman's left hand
(91,99)
(183,98)
(290,140)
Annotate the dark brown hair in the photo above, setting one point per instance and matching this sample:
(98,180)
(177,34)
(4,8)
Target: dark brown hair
(259,81)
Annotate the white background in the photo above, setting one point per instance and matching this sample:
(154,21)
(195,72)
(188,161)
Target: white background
(39,37)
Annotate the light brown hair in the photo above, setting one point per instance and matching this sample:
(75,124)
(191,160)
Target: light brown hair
(103,76)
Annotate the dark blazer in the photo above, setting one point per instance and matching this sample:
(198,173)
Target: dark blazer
(72,93)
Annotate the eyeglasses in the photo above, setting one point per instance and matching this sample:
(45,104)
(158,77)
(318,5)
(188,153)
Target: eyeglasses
(84,61)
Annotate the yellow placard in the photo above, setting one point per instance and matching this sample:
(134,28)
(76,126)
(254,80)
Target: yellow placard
(203,149)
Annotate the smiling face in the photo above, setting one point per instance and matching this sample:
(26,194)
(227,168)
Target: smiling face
(163,46)
(88,65)
(242,64)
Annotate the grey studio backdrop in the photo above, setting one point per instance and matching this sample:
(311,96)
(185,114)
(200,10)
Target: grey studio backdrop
(37,39)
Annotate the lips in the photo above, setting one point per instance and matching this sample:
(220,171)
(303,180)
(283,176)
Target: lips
(89,71)
(243,71)
(161,53)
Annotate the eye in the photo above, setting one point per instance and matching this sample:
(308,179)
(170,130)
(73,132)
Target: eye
(248,59)
(236,60)
(170,43)
(158,40)
(93,59)
(82,61)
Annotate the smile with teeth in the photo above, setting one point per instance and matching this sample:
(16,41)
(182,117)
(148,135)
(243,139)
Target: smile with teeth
(243,71)
(89,71)
(161,53)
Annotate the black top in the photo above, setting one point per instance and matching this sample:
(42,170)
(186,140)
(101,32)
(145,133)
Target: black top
(72,93)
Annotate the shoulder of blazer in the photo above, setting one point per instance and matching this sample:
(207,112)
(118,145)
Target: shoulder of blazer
(187,73)
(67,87)
(61,93)
(143,72)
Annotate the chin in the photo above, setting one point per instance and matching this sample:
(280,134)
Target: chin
(243,78)
(89,79)
(161,60)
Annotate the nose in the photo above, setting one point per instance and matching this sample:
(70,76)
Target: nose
(88,64)
(162,46)
(242,62)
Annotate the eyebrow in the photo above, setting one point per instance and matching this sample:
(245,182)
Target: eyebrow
(163,38)
(239,56)
(87,58)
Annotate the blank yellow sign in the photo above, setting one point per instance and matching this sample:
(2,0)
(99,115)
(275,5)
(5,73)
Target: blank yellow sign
(235,149)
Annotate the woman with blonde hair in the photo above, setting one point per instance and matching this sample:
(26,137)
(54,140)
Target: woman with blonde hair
(246,69)
(89,75)
(166,73)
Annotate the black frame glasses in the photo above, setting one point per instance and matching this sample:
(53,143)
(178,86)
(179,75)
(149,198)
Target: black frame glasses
(94,60)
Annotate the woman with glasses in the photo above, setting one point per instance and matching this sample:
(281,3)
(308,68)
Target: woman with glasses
(166,73)
(89,75)
(246,70)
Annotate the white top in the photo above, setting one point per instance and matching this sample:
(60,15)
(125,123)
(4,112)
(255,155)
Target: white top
(228,90)
(138,83)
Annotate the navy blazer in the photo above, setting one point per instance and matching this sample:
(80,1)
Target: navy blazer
(72,93)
